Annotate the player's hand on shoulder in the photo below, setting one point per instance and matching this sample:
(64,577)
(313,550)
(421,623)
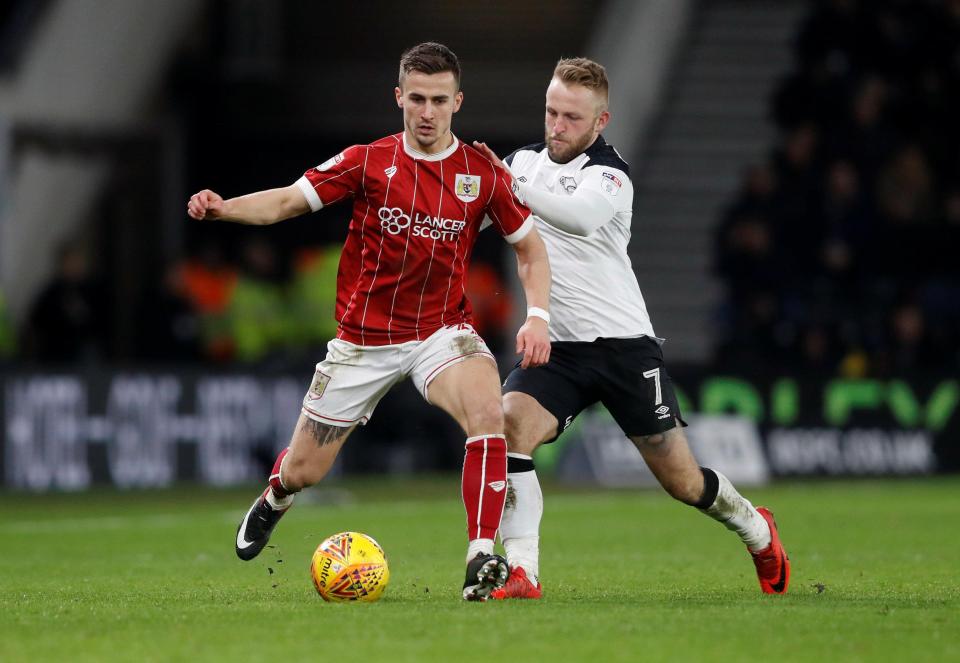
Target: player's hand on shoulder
(533,341)
(490,154)
(205,204)
(498,163)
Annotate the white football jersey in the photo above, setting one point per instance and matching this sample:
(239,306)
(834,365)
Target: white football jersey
(595,291)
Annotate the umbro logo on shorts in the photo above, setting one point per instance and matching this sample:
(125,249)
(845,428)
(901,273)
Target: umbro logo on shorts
(663,411)
(497,486)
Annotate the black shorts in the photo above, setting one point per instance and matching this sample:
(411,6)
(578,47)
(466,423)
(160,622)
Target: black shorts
(627,375)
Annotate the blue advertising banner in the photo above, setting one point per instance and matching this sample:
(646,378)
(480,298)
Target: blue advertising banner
(140,429)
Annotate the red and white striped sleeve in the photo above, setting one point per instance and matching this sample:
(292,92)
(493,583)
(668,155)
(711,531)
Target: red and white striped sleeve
(336,178)
(510,217)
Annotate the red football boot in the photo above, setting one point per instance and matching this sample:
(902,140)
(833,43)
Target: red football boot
(518,586)
(773,565)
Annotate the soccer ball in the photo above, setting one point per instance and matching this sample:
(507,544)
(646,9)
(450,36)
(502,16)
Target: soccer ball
(350,566)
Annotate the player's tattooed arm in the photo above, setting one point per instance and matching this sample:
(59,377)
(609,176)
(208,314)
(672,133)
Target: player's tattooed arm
(324,434)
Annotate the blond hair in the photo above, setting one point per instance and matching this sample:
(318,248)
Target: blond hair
(585,72)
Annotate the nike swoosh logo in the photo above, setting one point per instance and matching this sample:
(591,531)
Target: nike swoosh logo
(242,543)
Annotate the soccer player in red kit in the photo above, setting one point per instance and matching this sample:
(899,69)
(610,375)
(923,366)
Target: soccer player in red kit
(419,198)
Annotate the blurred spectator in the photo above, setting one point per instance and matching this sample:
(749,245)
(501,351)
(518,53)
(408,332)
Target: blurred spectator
(491,302)
(257,317)
(758,195)
(208,284)
(746,257)
(863,134)
(910,347)
(952,208)
(752,334)
(905,192)
(169,325)
(313,296)
(68,322)
(846,220)
(8,339)
(798,226)
(818,349)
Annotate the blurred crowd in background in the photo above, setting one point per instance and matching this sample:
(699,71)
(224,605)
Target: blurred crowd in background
(840,252)
(265,306)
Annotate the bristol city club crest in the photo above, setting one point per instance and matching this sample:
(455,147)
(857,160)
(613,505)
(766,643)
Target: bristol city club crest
(318,386)
(467,187)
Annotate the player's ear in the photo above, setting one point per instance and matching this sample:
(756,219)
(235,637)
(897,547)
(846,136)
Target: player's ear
(457,100)
(603,120)
(399,94)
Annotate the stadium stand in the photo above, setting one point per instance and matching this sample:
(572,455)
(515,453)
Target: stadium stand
(836,252)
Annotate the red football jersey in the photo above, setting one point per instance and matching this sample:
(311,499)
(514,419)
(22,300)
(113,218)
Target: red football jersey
(415,220)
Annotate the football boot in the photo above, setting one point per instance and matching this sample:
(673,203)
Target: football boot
(255,528)
(518,586)
(773,565)
(485,573)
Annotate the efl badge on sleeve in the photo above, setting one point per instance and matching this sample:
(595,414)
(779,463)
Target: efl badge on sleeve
(611,183)
(330,163)
(467,187)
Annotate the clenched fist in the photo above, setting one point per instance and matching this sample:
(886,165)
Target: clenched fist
(205,205)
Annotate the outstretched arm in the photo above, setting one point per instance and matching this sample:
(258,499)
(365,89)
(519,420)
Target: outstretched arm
(259,209)
(533,339)
(579,214)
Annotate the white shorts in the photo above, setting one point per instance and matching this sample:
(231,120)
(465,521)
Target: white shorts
(351,380)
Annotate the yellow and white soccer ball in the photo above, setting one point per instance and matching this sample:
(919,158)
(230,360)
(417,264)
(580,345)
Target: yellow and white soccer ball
(350,566)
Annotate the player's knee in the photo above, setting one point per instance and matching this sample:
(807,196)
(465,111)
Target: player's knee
(519,436)
(485,417)
(512,427)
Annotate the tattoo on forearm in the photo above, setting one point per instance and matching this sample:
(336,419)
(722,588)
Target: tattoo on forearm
(323,433)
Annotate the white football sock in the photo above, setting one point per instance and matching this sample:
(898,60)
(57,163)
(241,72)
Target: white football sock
(737,514)
(278,503)
(520,526)
(484,546)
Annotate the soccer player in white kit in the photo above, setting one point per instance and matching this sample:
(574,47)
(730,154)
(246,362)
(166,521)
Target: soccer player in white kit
(604,347)
(419,199)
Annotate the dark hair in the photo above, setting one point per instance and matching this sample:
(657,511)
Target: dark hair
(429,58)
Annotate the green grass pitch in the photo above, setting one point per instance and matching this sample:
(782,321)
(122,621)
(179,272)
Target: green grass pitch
(628,576)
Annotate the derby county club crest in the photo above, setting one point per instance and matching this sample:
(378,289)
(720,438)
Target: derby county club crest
(467,187)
